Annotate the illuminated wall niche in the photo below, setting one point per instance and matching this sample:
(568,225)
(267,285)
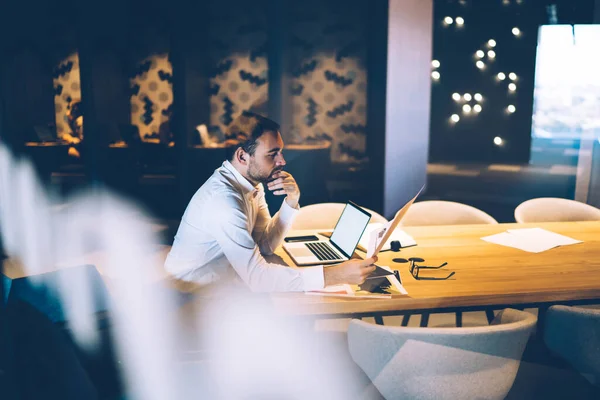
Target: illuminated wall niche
(238,45)
(152,96)
(329,76)
(67,92)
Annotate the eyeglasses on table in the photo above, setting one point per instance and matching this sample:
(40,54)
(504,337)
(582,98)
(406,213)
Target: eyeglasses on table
(415,269)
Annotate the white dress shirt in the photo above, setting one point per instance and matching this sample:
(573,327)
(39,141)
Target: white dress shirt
(226,229)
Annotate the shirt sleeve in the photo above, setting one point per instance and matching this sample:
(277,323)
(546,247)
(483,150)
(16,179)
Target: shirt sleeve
(229,225)
(270,232)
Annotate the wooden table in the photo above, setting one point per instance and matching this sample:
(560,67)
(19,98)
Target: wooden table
(487,275)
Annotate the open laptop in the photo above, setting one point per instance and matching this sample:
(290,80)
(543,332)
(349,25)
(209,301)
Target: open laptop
(339,247)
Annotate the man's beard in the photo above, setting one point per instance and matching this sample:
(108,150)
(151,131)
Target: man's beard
(258,177)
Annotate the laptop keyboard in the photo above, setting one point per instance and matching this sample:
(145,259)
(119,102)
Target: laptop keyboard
(322,251)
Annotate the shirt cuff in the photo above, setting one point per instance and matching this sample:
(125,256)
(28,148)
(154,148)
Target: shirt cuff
(287,213)
(313,278)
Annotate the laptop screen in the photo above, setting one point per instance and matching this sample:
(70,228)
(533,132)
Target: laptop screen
(349,228)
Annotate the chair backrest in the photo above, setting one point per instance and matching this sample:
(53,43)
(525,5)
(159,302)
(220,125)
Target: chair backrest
(326,215)
(574,334)
(437,212)
(552,209)
(442,363)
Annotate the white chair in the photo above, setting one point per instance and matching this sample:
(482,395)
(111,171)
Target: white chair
(325,216)
(552,209)
(574,334)
(437,212)
(442,363)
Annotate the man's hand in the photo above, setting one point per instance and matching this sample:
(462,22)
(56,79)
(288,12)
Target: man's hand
(352,271)
(285,184)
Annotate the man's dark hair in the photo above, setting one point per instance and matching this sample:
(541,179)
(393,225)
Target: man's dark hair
(246,130)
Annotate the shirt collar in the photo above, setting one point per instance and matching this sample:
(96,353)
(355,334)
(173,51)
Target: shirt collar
(248,190)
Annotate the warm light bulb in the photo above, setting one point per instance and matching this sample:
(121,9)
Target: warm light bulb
(511,109)
(516,31)
(478,97)
(512,76)
(467,97)
(491,54)
(460,21)
(455,118)
(480,64)
(456,96)
(467,108)
(512,87)
(435,75)
(435,64)
(480,53)
(501,76)
(492,43)
(448,20)
(477,108)
(498,141)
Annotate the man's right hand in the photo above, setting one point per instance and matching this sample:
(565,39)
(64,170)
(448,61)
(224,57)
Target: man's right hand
(352,271)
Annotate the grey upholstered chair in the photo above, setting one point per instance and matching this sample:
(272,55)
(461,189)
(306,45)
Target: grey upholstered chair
(442,363)
(437,212)
(574,334)
(325,216)
(552,209)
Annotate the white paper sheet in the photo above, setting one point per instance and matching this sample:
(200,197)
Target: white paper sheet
(533,240)
(546,236)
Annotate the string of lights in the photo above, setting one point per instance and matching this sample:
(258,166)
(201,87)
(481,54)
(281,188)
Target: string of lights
(489,47)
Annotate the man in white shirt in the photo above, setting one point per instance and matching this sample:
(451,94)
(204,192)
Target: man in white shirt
(227,228)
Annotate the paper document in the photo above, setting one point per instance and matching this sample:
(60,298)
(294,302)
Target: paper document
(533,240)
(354,291)
(546,236)
(404,238)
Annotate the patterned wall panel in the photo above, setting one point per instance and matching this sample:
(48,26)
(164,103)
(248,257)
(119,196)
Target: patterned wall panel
(151,95)
(67,90)
(329,75)
(238,81)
